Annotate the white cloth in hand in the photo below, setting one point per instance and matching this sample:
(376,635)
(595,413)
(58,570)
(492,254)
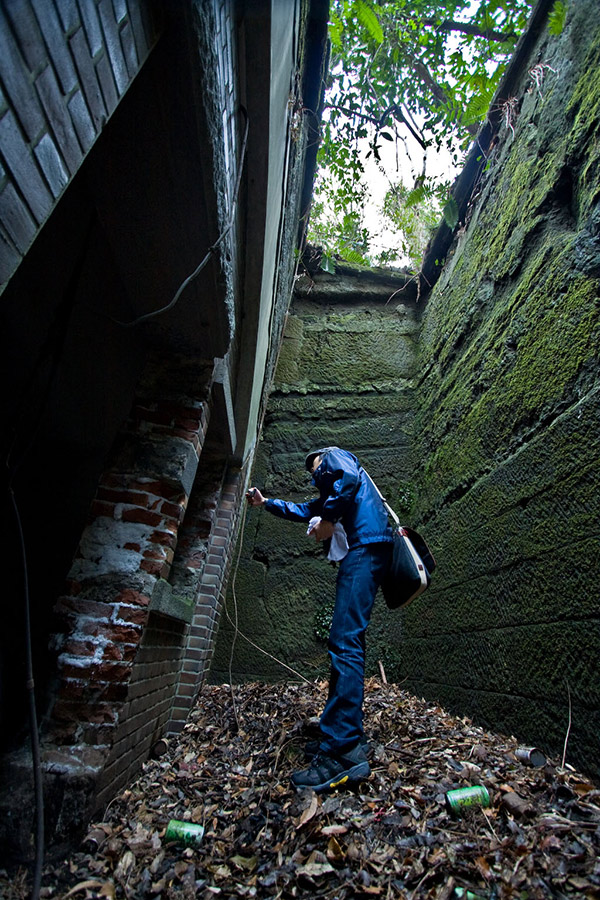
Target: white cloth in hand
(339,541)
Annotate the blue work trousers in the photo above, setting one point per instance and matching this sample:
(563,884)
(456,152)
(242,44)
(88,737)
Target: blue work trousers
(359,576)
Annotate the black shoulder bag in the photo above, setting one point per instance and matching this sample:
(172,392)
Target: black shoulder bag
(411,565)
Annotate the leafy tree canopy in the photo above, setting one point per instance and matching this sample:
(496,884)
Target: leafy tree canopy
(419,74)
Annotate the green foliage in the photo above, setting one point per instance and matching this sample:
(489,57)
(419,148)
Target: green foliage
(420,72)
(414,214)
(557,18)
(322,620)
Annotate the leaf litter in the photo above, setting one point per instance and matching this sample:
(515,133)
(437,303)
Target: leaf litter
(390,837)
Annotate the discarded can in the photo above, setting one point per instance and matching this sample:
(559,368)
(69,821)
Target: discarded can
(531,756)
(160,748)
(515,805)
(185,832)
(469,796)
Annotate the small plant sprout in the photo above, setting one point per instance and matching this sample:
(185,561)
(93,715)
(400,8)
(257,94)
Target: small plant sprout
(538,75)
(510,109)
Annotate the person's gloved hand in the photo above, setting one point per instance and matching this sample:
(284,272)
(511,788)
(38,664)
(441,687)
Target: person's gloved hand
(254,497)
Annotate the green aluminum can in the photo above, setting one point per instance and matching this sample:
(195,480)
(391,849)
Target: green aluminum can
(184,832)
(462,798)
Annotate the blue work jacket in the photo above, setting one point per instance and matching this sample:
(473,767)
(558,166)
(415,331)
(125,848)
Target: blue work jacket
(346,495)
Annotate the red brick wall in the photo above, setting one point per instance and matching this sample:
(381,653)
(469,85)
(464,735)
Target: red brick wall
(127,546)
(144,715)
(210,596)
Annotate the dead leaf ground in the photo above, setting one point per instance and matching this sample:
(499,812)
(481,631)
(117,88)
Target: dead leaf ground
(391,838)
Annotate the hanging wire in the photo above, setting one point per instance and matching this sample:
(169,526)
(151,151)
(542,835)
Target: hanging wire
(33,723)
(211,250)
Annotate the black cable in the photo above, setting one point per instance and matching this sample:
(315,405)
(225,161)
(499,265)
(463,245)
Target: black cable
(33,723)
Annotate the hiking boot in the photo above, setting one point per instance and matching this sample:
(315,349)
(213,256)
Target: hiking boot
(327,772)
(312,747)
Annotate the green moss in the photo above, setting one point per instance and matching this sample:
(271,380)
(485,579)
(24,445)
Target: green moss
(585,100)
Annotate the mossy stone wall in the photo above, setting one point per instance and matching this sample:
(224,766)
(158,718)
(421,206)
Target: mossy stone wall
(479,411)
(345,376)
(508,426)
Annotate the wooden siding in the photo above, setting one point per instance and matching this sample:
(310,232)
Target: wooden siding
(64,65)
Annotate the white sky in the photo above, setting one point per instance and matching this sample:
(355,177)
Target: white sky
(439,164)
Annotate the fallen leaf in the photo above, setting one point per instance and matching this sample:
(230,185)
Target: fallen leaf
(483,867)
(334,851)
(308,812)
(126,864)
(85,886)
(248,864)
(315,870)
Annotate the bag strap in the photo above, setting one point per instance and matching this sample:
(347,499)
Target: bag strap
(389,509)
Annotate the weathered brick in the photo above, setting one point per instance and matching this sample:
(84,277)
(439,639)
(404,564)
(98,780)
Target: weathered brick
(97,735)
(133,614)
(154,567)
(166,538)
(111,33)
(111,671)
(189,436)
(126,634)
(88,78)
(173,510)
(155,553)
(133,498)
(16,218)
(24,170)
(116,692)
(141,516)
(62,125)
(114,652)
(105,77)
(72,688)
(128,652)
(84,607)
(54,39)
(17,84)
(131,596)
(128,48)
(74,647)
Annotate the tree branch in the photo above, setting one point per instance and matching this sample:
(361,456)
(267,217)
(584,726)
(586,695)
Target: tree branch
(465,28)
(380,121)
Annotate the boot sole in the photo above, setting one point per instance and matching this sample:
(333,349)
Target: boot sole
(349,777)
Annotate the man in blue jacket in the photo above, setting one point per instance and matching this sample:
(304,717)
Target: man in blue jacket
(346,495)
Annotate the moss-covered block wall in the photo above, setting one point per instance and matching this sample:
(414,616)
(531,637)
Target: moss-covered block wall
(508,426)
(479,411)
(345,376)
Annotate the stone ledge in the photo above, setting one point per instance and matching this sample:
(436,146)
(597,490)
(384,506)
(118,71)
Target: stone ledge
(165,602)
